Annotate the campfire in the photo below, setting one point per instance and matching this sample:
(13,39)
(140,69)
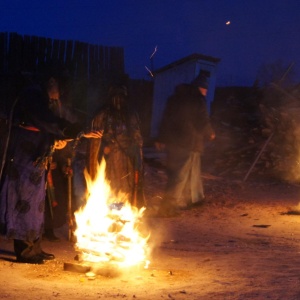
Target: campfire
(109,230)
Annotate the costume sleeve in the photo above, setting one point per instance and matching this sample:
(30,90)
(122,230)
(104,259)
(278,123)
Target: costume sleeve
(32,109)
(200,119)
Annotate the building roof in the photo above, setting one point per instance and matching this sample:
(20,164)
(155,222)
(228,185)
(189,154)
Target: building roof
(192,57)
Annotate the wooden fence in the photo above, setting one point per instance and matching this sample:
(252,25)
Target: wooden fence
(90,68)
(35,54)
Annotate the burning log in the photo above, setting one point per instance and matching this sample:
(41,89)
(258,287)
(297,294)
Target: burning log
(99,257)
(76,267)
(107,236)
(91,271)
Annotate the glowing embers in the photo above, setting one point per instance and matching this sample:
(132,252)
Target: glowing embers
(108,228)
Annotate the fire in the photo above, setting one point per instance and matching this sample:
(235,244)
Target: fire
(108,227)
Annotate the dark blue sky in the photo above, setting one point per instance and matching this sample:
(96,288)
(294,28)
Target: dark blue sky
(261,31)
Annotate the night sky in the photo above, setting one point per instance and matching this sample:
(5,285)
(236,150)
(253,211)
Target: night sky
(260,31)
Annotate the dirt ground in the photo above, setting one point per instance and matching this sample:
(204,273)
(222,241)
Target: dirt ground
(244,243)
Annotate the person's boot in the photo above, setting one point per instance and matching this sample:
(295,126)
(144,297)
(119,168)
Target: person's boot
(50,236)
(26,253)
(40,252)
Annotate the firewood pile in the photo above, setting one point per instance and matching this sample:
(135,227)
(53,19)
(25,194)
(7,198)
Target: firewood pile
(258,134)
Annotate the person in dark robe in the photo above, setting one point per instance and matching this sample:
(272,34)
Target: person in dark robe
(184,128)
(56,206)
(120,146)
(35,132)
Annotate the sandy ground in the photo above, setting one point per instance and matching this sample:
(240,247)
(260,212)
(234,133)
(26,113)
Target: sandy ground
(243,244)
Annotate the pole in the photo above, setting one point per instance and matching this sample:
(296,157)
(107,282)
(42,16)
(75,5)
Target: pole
(258,156)
(70,213)
(6,144)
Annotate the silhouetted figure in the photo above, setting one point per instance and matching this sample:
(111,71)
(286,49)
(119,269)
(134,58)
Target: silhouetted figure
(184,127)
(121,146)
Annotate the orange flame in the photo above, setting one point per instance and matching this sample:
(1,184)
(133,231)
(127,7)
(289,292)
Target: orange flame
(108,226)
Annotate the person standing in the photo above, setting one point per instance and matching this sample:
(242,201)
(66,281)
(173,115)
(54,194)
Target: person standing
(120,146)
(184,128)
(56,206)
(32,140)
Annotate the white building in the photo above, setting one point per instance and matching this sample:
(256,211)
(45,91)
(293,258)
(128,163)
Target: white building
(181,71)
